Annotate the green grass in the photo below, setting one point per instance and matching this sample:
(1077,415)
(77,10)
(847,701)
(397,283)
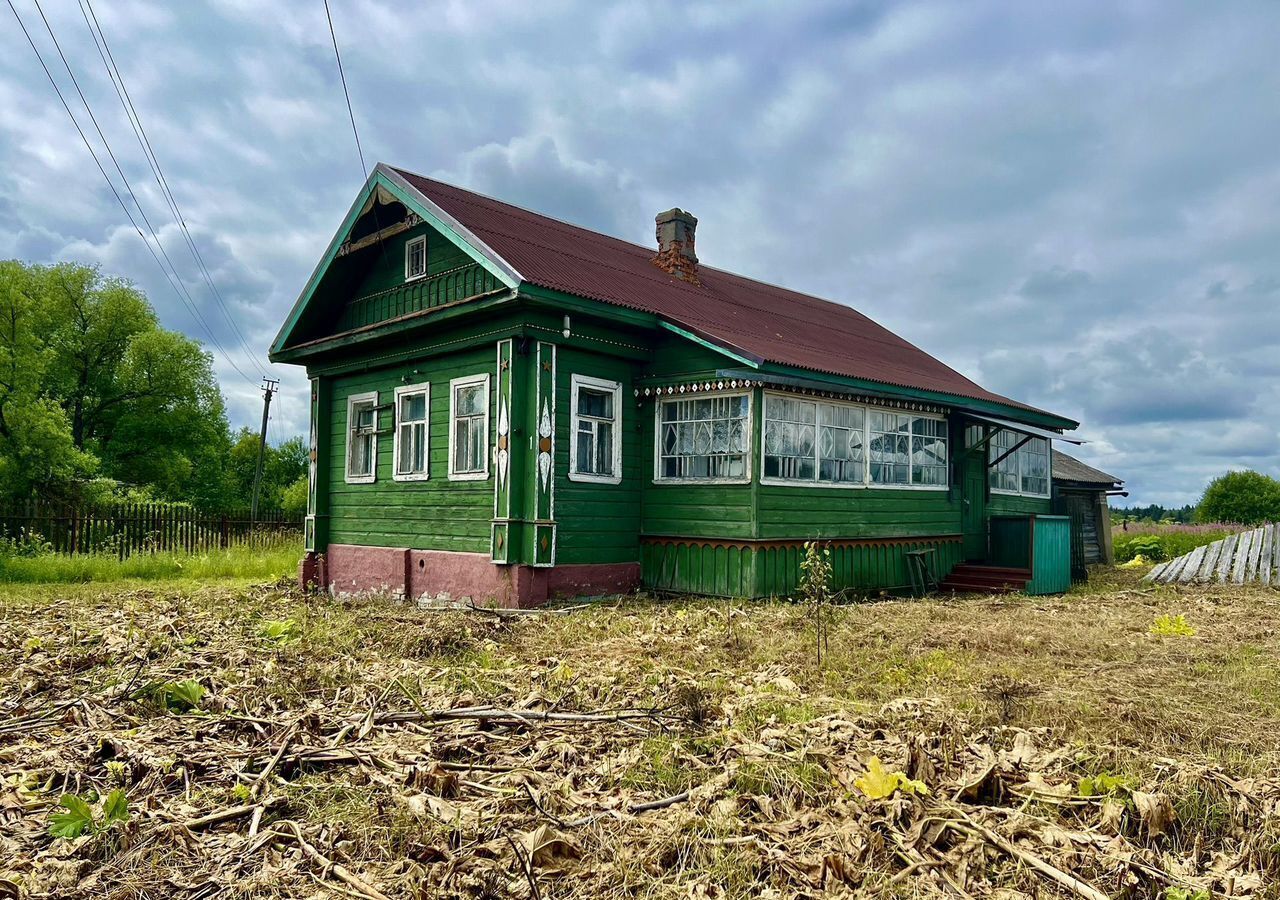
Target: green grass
(235,562)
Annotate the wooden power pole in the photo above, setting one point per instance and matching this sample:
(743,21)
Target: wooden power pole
(269,387)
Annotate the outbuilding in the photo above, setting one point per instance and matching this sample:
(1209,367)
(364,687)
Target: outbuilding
(1080,492)
(511,408)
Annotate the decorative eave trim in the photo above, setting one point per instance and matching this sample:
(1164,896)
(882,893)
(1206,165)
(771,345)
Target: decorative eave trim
(738,384)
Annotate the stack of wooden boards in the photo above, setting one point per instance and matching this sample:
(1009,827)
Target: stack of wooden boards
(1244,558)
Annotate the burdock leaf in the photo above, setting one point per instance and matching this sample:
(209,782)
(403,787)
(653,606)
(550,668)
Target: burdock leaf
(74,822)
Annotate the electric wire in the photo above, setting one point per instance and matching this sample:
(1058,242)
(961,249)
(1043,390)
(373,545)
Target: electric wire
(162,182)
(176,280)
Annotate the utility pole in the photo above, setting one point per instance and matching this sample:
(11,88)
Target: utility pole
(269,387)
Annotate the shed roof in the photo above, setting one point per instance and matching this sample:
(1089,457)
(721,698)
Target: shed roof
(769,323)
(1068,468)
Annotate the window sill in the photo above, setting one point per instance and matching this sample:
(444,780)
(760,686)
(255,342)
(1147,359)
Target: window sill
(361,479)
(1004,493)
(585,478)
(469,476)
(421,476)
(860,486)
(746,480)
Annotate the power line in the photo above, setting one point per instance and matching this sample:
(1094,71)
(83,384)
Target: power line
(144,143)
(89,147)
(377,224)
(345,92)
(176,280)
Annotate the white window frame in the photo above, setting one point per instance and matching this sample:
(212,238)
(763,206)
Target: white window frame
(796,482)
(748,454)
(597,384)
(354,400)
(454,384)
(1018,455)
(408,251)
(866,483)
(420,388)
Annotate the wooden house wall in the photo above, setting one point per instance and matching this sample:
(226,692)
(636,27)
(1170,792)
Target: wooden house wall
(435,514)
(595,522)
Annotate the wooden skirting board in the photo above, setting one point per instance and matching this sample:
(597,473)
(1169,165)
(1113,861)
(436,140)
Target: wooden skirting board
(1245,558)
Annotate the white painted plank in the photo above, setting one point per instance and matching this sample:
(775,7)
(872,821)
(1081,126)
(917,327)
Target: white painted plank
(1194,558)
(1242,557)
(1156,572)
(1212,554)
(1264,564)
(1228,550)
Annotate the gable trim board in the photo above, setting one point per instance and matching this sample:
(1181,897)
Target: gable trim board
(385,181)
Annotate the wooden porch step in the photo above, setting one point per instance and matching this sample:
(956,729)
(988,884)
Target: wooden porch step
(968,578)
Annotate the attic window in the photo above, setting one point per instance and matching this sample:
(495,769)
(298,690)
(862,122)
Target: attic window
(415,258)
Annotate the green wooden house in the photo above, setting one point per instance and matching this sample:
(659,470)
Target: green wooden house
(510,408)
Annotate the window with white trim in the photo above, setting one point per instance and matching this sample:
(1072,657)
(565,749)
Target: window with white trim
(597,430)
(929,451)
(412,404)
(907,449)
(814,441)
(469,428)
(1023,471)
(415,258)
(362,438)
(704,438)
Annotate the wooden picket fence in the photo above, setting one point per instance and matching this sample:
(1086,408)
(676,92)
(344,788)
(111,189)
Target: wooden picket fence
(123,529)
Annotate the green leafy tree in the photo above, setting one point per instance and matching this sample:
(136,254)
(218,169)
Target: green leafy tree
(1247,498)
(38,453)
(98,401)
(294,499)
(282,466)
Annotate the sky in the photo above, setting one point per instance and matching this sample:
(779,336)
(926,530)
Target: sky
(1075,204)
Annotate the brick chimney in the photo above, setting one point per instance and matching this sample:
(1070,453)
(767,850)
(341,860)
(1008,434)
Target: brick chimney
(675,245)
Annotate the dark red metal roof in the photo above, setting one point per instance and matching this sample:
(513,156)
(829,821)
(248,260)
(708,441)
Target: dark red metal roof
(767,322)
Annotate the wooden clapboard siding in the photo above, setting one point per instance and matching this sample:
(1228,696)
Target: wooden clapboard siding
(786,511)
(1249,557)
(436,514)
(1012,505)
(596,523)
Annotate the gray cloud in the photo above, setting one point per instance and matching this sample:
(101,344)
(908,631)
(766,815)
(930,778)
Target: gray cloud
(1073,203)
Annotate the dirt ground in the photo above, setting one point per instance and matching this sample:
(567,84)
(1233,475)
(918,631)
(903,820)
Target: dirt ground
(248,741)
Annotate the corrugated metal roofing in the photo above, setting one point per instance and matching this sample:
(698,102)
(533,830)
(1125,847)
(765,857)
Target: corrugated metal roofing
(768,322)
(1068,468)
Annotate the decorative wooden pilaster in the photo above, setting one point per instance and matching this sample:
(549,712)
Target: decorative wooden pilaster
(544,437)
(505,533)
(316,528)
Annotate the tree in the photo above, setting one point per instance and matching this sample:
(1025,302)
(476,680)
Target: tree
(1246,498)
(294,499)
(37,449)
(282,466)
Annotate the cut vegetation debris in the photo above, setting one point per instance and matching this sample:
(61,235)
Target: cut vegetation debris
(989,747)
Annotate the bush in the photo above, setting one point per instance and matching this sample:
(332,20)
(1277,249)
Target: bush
(1248,498)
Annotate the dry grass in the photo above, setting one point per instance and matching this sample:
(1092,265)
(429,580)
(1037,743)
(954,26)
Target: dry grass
(1000,705)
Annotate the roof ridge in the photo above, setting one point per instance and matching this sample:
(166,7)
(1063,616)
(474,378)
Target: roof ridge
(639,247)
